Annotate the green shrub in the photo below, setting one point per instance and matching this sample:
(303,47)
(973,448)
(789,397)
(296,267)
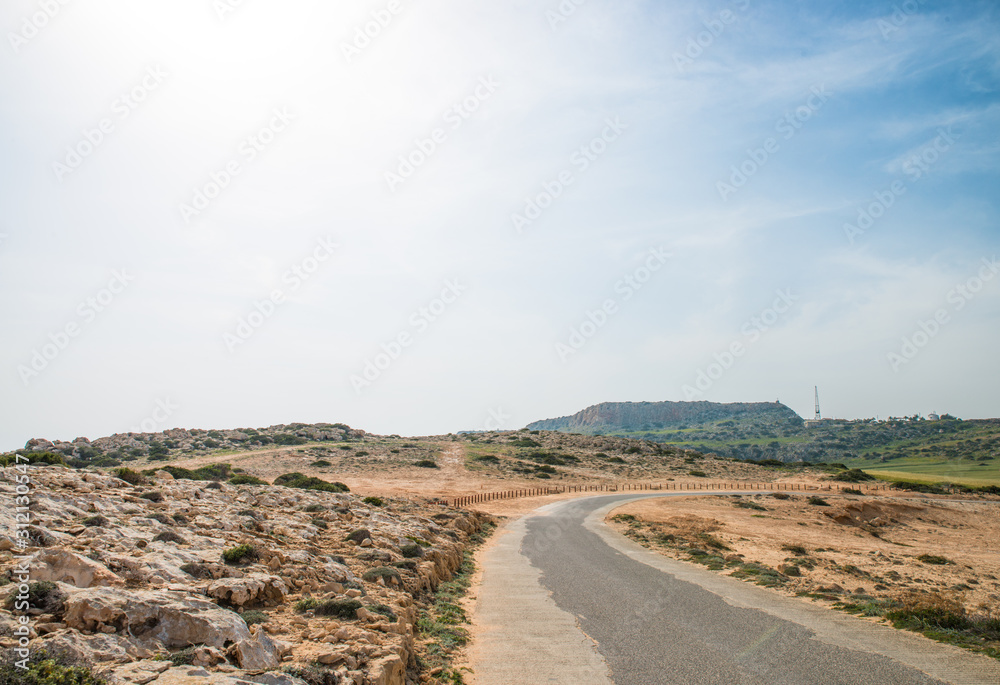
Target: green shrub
(817,501)
(412,551)
(853,476)
(170,536)
(798,550)
(934,559)
(92,521)
(129,476)
(852,491)
(374,501)
(617,460)
(384,572)
(750,505)
(243,552)
(698,474)
(288,439)
(184,657)
(303,482)
(780,495)
(245,479)
(426,464)
(42,594)
(304,605)
(320,463)
(339,608)
(320,523)
(46,670)
(313,508)
(254,617)
(382,610)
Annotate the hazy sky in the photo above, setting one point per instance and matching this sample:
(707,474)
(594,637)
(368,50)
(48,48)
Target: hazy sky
(422,217)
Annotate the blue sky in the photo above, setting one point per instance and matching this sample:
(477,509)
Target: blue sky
(499,109)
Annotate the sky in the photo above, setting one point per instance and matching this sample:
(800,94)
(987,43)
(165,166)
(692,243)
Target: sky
(426,217)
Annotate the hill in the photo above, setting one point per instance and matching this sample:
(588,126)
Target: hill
(616,417)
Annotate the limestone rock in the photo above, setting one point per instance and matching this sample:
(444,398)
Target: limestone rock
(59,565)
(253,590)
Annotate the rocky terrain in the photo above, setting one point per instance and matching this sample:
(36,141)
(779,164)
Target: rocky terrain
(120,447)
(158,580)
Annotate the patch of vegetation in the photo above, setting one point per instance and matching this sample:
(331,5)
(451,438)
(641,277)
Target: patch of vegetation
(426,464)
(698,474)
(374,501)
(303,482)
(43,595)
(288,439)
(129,476)
(320,463)
(50,458)
(780,495)
(313,508)
(43,669)
(797,550)
(852,491)
(412,551)
(254,617)
(152,496)
(239,553)
(246,479)
(624,518)
(93,521)
(305,604)
(935,560)
(852,476)
(746,504)
(338,608)
(170,536)
(817,501)
(383,610)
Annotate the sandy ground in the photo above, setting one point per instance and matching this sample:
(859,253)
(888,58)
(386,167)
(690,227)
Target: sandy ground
(858,544)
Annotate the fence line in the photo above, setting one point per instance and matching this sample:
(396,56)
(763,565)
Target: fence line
(481,497)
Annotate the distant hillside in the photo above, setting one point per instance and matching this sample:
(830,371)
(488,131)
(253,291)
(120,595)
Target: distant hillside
(967,450)
(614,417)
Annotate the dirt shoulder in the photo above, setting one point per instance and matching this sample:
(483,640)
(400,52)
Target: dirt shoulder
(871,554)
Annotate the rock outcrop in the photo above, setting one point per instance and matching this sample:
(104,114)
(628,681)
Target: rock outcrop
(213,583)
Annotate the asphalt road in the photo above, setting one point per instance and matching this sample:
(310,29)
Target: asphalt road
(566,600)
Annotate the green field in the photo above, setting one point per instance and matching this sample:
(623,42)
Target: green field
(934,470)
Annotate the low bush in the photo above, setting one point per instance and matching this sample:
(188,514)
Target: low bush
(304,605)
(303,482)
(412,551)
(798,550)
(92,521)
(359,535)
(935,560)
(43,669)
(780,495)
(698,474)
(42,595)
(320,463)
(313,508)
(338,608)
(170,536)
(245,479)
(129,476)
(243,552)
(426,464)
(153,496)
(853,476)
(749,505)
(374,501)
(254,617)
(382,610)
(817,501)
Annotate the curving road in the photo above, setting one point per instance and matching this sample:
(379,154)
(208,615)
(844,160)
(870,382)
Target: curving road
(565,600)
